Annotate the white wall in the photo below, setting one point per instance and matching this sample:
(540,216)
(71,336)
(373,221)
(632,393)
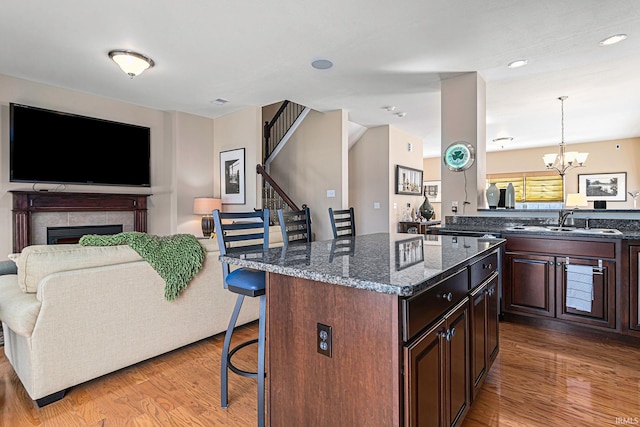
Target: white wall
(621,155)
(313,161)
(399,154)
(369,179)
(242,129)
(372,168)
(54,98)
(194,165)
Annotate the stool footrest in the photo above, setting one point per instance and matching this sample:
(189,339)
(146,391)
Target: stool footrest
(237,370)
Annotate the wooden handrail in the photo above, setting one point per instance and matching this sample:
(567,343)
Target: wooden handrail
(260,169)
(269,125)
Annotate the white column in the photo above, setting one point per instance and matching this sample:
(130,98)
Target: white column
(463,100)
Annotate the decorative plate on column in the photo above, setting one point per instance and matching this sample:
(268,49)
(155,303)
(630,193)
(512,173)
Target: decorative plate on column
(459,156)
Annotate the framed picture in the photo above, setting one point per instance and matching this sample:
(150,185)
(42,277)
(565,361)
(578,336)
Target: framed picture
(408,181)
(232,177)
(432,191)
(409,252)
(604,186)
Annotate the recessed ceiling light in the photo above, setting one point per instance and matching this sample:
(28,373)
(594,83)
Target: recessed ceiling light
(322,64)
(613,39)
(219,101)
(401,114)
(517,63)
(390,108)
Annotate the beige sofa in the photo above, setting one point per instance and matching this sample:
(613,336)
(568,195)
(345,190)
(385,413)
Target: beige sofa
(73,313)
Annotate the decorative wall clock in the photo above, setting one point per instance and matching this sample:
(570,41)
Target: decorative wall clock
(459,156)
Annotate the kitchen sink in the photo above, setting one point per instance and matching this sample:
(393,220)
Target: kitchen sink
(538,228)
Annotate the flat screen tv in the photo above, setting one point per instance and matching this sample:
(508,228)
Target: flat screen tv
(54,147)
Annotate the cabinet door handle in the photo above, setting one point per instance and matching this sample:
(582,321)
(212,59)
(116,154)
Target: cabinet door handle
(448,296)
(450,333)
(550,262)
(486,266)
(558,263)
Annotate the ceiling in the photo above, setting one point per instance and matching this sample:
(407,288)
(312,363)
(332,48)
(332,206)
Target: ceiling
(384,53)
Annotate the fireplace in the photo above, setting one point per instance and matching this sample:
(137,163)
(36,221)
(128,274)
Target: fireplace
(30,207)
(60,235)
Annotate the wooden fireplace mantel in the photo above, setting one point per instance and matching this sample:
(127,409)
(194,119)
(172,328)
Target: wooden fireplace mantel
(25,203)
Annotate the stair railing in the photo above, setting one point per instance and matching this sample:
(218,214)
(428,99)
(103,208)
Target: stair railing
(279,125)
(273,196)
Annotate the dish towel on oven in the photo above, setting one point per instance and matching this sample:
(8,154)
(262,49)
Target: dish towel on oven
(579,287)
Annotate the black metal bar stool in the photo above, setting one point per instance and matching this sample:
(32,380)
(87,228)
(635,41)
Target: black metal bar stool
(343,222)
(242,231)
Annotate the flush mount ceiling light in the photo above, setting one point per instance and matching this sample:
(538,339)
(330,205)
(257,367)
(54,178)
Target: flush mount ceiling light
(517,63)
(401,114)
(132,63)
(219,101)
(390,108)
(502,142)
(617,38)
(322,64)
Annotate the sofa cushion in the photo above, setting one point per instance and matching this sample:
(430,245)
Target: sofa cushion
(38,261)
(17,309)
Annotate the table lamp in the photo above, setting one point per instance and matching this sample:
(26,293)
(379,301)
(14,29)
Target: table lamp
(576,199)
(205,206)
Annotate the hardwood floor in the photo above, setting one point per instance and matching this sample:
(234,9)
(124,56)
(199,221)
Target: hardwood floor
(181,388)
(540,378)
(548,378)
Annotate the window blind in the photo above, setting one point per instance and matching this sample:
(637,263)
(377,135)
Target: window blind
(531,186)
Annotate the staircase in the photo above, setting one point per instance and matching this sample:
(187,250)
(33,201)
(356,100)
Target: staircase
(277,132)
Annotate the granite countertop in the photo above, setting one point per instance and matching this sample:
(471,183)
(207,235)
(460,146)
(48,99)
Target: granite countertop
(400,264)
(629,229)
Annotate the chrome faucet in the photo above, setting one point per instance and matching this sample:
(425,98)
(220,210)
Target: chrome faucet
(562,217)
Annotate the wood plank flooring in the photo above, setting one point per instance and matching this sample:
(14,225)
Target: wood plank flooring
(540,378)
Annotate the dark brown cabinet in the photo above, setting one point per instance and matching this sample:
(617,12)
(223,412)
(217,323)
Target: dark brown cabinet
(437,372)
(537,279)
(483,333)
(529,284)
(633,254)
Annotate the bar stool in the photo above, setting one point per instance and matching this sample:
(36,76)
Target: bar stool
(240,232)
(295,226)
(342,222)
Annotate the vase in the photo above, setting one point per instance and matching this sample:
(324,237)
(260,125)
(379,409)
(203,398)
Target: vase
(426,210)
(493,196)
(510,197)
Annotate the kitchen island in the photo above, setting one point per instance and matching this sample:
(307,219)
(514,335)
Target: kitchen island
(378,330)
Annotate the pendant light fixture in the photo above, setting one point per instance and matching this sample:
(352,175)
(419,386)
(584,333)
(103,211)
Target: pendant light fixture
(565,160)
(132,63)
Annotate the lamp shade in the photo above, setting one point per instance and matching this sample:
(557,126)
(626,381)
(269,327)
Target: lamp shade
(576,199)
(206,205)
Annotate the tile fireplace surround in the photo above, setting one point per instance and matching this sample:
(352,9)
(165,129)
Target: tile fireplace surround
(34,211)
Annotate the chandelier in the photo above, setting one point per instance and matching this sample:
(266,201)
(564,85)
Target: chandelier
(565,160)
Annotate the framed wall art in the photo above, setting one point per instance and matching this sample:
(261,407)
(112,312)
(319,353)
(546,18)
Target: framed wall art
(432,191)
(232,177)
(408,181)
(604,186)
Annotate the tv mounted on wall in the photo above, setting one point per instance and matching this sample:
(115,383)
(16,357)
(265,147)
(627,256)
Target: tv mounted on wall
(60,148)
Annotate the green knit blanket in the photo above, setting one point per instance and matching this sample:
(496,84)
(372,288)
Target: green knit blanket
(176,258)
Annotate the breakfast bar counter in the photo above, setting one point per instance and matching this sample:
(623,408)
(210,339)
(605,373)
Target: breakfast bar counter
(378,330)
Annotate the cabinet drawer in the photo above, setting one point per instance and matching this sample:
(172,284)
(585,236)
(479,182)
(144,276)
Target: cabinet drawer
(420,310)
(481,270)
(586,248)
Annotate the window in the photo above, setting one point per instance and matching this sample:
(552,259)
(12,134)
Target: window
(544,186)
